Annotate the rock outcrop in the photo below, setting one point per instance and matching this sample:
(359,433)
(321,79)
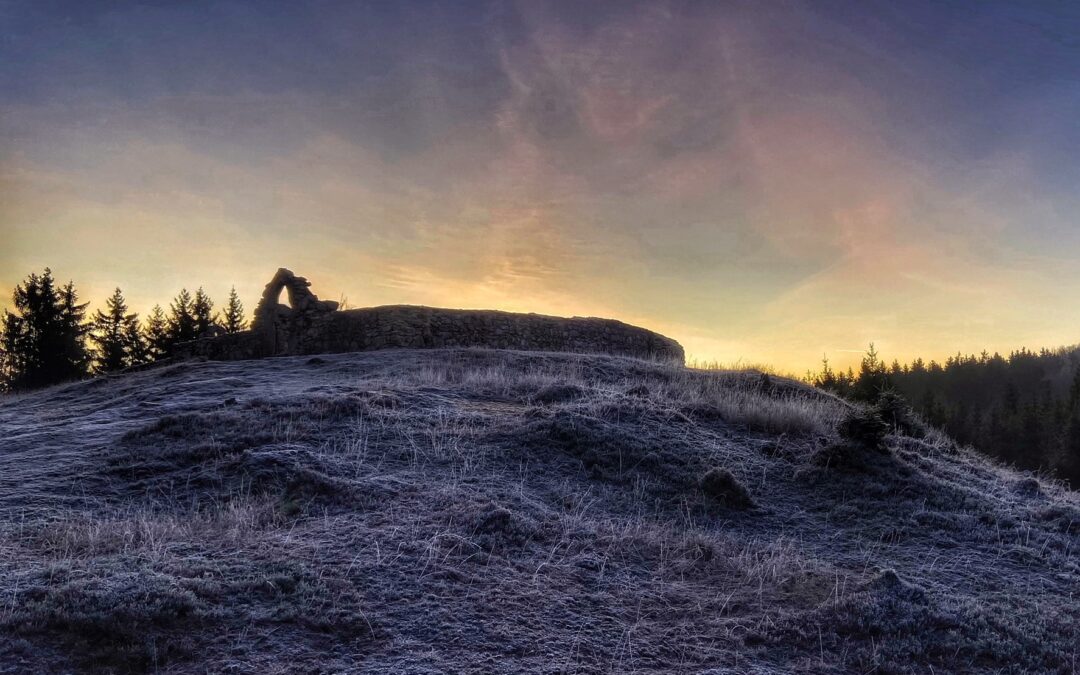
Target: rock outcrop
(308,325)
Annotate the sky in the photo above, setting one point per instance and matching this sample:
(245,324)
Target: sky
(766,182)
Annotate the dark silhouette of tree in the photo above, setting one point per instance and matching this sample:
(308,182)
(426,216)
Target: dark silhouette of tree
(181,324)
(873,378)
(112,334)
(75,357)
(1023,408)
(13,354)
(156,335)
(234,313)
(827,378)
(138,351)
(202,309)
(44,342)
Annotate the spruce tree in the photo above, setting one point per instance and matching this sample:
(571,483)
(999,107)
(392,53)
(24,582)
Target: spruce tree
(156,335)
(202,309)
(13,356)
(44,342)
(873,377)
(181,324)
(138,351)
(234,313)
(73,332)
(827,379)
(111,334)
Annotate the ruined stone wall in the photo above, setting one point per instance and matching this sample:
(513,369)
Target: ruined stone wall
(400,326)
(428,327)
(311,326)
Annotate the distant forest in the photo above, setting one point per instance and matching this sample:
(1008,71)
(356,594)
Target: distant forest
(50,339)
(1023,408)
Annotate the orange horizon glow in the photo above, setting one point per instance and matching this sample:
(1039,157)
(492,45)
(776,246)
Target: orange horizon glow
(764,187)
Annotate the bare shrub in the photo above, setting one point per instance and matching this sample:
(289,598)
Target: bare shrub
(720,485)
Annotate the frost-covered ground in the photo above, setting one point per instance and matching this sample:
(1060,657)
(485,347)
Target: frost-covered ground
(485,511)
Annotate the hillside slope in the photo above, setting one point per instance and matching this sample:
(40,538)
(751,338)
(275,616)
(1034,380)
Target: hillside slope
(488,511)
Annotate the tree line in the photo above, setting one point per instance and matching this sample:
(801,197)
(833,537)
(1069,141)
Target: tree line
(1023,408)
(50,339)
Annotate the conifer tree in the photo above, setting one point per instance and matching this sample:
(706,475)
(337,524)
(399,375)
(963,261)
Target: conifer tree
(872,378)
(202,309)
(44,342)
(13,357)
(156,335)
(75,360)
(181,324)
(234,313)
(827,378)
(138,351)
(111,334)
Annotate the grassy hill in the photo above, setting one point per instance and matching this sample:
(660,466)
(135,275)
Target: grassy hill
(492,511)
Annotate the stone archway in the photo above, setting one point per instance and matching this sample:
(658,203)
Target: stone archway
(280,327)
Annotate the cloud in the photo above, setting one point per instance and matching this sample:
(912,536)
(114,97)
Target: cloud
(764,185)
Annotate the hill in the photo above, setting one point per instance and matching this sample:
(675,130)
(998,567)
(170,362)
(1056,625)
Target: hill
(498,511)
(1023,409)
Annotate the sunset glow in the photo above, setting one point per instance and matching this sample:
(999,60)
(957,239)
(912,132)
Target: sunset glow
(763,186)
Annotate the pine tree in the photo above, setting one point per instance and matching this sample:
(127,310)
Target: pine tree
(181,324)
(73,332)
(38,330)
(234,313)
(156,335)
(873,377)
(13,355)
(138,352)
(202,309)
(827,379)
(45,341)
(111,334)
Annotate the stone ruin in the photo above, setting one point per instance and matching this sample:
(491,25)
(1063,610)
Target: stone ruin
(308,325)
(279,327)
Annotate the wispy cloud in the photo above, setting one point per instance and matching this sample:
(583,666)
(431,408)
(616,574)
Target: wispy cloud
(763,183)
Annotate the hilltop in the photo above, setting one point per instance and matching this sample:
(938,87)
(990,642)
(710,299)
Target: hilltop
(466,510)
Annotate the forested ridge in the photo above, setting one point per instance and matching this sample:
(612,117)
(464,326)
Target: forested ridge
(1023,408)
